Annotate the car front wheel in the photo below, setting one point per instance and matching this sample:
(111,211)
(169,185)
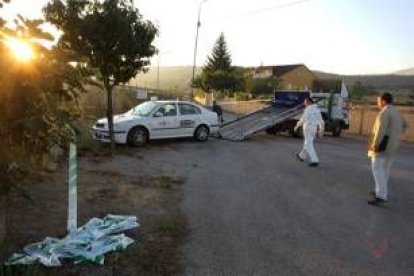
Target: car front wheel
(201,133)
(137,137)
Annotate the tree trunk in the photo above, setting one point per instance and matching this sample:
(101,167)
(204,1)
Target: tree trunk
(110,114)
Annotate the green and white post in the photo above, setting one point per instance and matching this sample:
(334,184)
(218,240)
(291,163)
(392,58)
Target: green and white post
(73,185)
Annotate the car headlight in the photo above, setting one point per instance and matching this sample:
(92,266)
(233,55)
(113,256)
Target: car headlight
(100,125)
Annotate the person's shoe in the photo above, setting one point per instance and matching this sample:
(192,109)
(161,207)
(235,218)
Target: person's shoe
(376,200)
(313,164)
(298,157)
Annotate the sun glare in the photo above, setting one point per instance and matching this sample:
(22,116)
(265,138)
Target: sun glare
(20,49)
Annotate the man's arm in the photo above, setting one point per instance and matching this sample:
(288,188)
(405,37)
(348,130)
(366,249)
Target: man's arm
(381,126)
(321,123)
(301,121)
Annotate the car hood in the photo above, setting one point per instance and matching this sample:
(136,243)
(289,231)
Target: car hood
(119,119)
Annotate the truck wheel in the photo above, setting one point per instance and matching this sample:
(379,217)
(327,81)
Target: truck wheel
(271,131)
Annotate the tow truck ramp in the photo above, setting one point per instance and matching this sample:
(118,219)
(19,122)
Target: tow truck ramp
(244,127)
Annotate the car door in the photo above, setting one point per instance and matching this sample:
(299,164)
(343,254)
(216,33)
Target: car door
(189,118)
(164,122)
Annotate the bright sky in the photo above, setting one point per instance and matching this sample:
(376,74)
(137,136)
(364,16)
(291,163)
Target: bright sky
(341,36)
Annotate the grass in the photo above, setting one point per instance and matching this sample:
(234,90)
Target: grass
(106,190)
(164,227)
(30,270)
(170,227)
(167,182)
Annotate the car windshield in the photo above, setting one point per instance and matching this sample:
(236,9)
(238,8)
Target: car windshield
(143,109)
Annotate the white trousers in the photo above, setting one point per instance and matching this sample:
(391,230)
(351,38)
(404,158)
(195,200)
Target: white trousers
(308,150)
(381,167)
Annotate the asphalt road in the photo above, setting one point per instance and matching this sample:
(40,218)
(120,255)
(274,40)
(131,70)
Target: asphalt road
(254,209)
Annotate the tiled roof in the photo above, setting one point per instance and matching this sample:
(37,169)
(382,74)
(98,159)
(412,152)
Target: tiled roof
(280,70)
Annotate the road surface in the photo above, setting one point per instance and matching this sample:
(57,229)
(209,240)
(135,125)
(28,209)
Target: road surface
(253,209)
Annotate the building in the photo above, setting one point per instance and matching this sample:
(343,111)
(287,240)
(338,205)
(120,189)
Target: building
(292,77)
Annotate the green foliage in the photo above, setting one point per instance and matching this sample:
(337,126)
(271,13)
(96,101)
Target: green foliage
(220,59)
(240,96)
(358,91)
(262,86)
(109,36)
(22,270)
(221,80)
(35,98)
(2,2)
(218,74)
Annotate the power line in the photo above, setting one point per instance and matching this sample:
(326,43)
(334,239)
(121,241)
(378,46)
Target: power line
(280,6)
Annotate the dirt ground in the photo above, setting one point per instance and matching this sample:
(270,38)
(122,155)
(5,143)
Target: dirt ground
(153,199)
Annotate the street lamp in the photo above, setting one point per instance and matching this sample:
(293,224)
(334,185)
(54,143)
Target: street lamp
(195,47)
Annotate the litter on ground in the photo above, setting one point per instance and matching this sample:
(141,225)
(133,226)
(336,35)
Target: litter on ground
(87,243)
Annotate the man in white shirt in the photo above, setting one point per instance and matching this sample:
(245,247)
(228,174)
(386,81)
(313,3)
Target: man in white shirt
(383,145)
(312,124)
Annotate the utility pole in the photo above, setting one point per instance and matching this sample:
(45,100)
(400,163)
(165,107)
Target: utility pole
(195,47)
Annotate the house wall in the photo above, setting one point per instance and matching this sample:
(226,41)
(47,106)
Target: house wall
(262,73)
(298,79)
(240,108)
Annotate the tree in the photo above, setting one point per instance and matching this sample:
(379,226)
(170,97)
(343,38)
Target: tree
(33,113)
(358,91)
(109,36)
(2,2)
(36,96)
(220,59)
(218,73)
(222,80)
(260,86)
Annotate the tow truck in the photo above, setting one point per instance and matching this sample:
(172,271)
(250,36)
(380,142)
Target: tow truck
(285,110)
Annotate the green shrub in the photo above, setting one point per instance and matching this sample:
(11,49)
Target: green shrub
(241,96)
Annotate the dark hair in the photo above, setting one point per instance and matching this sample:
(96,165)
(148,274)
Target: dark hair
(310,100)
(386,97)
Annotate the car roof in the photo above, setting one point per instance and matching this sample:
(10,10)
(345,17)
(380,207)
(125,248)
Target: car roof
(175,101)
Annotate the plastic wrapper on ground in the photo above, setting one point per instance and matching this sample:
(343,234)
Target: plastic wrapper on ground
(88,243)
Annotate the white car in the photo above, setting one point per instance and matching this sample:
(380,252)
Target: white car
(158,120)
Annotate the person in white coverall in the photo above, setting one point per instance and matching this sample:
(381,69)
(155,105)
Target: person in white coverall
(312,124)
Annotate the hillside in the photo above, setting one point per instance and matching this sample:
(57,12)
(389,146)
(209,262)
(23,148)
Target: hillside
(170,77)
(179,78)
(405,72)
(389,81)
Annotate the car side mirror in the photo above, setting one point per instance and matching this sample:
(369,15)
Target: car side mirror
(158,114)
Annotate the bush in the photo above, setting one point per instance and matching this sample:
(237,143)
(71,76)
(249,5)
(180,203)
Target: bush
(241,96)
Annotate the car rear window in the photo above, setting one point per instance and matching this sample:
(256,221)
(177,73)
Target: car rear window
(188,109)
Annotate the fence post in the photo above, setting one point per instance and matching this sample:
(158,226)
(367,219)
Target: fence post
(361,121)
(72,185)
